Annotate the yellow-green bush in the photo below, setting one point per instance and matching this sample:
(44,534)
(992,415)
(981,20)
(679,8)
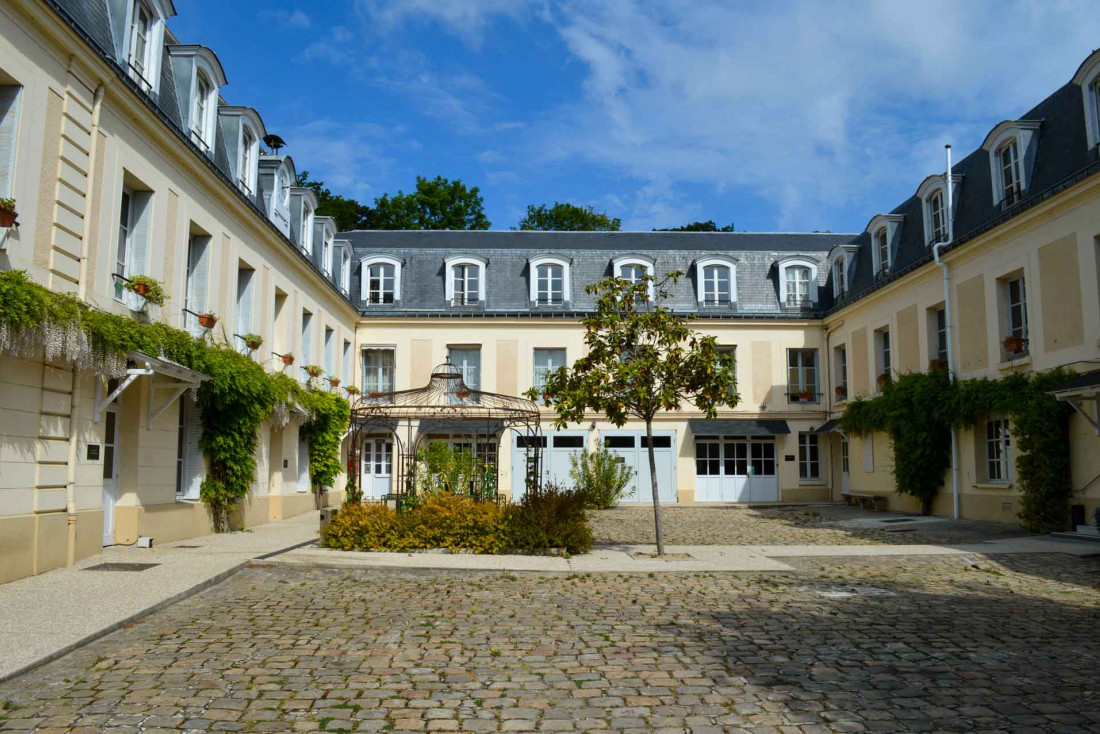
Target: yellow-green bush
(540,523)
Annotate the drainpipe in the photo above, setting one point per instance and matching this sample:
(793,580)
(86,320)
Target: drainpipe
(936,249)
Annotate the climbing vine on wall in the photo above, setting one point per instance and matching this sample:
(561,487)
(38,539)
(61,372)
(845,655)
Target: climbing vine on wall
(918,410)
(238,397)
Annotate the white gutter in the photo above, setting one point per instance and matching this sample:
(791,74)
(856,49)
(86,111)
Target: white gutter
(950,214)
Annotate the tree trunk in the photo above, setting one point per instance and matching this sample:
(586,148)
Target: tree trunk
(653,482)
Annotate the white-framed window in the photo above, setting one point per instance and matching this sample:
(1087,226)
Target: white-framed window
(1015,319)
(141,28)
(465,282)
(933,195)
(10,96)
(203,104)
(802,376)
(345,363)
(727,357)
(1008,162)
(882,251)
(998,450)
(380,280)
(883,229)
(247,158)
(937,334)
(883,364)
(307,344)
(330,357)
(326,253)
(937,217)
(345,271)
(132,246)
(246,278)
(840,277)
(545,361)
(467,360)
(716,280)
(797,282)
(307,224)
(549,280)
(143,40)
(840,366)
(1011,148)
(809,457)
(632,268)
(378,372)
(198,270)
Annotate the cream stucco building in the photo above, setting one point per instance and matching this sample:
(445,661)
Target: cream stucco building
(124,159)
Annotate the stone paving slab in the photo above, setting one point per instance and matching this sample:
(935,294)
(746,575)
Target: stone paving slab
(47,615)
(945,643)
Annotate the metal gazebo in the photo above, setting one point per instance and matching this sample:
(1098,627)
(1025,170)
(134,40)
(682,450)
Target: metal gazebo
(445,406)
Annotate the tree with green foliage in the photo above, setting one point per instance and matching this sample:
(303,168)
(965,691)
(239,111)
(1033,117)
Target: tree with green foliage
(348,213)
(566,217)
(437,203)
(642,359)
(707,226)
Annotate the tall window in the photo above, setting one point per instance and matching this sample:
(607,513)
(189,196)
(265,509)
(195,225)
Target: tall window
(140,30)
(802,375)
(345,271)
(1009,160)
(198,267)
(882,249)
(245,278)
(200,110)
(9,117)
(716,285)
(941,334)
(307,343)
(882,342)
(132,248)
(378,371)
(549,284)
(798,287)
(727,357)
(345,363)
(1016,294)
(468,362)
(467,288)
(936,217)
(809,458)
(840,278)
(380,280)
(246,159)
(841,366)
(307,227)
(330,358)
(545,362)
(326,254)
(997,450)
(122,249)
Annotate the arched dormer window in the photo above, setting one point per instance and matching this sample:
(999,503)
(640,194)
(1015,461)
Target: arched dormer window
(143,41)
(199,75)
(933,195)
(307,226)
(381,280)
(632,268)
(465,279)
(203,102)
(841,258)
(715,280)
(549,280)
(243,130)
(884,234)
(797,282)
(1011,147)
(1088,78)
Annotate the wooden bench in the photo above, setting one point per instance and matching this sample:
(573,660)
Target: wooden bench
(864,500)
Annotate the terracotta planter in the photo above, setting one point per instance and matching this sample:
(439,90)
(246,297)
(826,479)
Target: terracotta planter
(462,394)
(288,359)
(208,321)
(7,217)
(335,382)
(374,394)
(842,392)
(805,397)
(1014,344)
(313,373)
(254,345)
(883,379)
(142,289)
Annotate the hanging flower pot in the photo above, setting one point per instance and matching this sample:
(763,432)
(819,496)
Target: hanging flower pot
(352,390)
(288,359)
(462,393)
(841,392)
(883,379)
(253,341)
(314,371)
(334,381)
(8,215)
(148,288)
(208,320)
(1014,344)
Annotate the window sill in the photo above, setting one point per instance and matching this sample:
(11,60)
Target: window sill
(811,483)
(1015,364)
(992,485)
(185,500)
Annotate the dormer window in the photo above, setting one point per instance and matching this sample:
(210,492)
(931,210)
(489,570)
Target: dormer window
(716,282)
(1088,78)
(840,278)
(633,268)
(246,159)
(1011,147)
(882,251)
(326,254)
(202,129)
(307,225)
(141,29)
(381,284)
(797,282)
(883,229)
(937,217)
(345,271)
(1008,158)
(140,49)
(549,280)
(465,279)
(933,195)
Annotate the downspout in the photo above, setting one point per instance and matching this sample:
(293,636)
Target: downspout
(77,391)
(936,249)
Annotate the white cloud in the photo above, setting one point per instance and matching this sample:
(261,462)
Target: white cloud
(813,106)
(296,18)
(347,157)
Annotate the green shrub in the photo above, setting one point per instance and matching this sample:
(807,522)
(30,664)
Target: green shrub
(550,518)
(442,470)
(600,477)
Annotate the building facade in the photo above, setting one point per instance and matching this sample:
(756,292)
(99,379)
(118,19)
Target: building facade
(124,159)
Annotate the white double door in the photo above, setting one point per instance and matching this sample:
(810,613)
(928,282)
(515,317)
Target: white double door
(735,469)
(632,449)
(376,467)
(556,450)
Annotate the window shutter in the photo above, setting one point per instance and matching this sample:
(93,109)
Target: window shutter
(142,216)
(9,118)
(198,267)
(192,455)
(244,301)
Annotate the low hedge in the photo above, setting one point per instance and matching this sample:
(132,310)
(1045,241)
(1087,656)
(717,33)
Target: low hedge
(551,519)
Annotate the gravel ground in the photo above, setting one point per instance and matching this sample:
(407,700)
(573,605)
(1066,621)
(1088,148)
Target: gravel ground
(818,525)
(945,644)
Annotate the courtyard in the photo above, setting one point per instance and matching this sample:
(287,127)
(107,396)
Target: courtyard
(918,643)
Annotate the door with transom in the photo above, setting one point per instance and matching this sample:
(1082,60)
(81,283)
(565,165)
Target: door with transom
(735,469)
(376,469)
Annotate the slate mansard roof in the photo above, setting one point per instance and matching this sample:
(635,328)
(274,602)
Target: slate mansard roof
(590,256)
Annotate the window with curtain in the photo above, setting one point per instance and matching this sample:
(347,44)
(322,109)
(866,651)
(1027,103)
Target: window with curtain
(798,287)
(549,284)
(545,362)
(378,370)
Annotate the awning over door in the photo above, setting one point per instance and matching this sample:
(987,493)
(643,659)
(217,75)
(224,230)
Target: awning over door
(828,426)
(1079,391)
(459,427)
(180,378)
(745,427)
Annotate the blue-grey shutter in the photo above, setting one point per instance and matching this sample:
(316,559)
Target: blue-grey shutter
(9,122)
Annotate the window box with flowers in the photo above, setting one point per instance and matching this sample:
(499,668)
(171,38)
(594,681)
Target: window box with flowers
(1014,345)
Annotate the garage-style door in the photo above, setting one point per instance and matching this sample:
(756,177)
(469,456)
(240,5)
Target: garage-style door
(557,448)
(632,449)
(735,469)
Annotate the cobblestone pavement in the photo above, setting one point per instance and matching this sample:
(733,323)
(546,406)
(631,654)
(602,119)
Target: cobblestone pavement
(959,643)
(819,525)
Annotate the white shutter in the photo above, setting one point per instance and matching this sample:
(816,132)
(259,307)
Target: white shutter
(868,452)
(192,455)
(9,119)
(141,227)
(244,301)
(198,268)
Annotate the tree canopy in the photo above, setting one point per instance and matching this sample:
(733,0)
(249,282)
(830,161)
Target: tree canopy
(707,226)
(642,359)
(437,203)
(566,217)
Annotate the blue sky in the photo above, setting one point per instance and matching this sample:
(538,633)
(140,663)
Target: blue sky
(776,116)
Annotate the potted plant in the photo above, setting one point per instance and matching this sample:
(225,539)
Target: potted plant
(841,392)
(375,394)
(334,381)
(883,379)
(314,370)
(208,320)
(805,396)
(148,288)
(937,364)
(8,215)
(1014,344)
(288,358)
(253,341)
(462,393)
(352,390)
